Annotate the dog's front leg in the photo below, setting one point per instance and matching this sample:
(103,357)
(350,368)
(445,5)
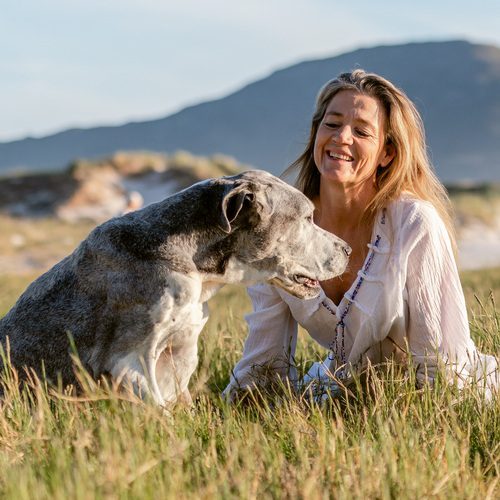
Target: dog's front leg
(174,368)
(186,398)
(134,372)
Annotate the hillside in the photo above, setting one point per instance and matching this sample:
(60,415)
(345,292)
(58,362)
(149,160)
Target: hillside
(89,192)
(100,189)
(455,85)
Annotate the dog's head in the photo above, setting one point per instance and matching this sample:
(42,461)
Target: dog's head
(274,238)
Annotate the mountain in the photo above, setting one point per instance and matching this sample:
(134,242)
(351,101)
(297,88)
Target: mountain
(455,85)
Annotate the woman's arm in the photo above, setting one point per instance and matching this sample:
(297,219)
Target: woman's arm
(438,328)
(270,345)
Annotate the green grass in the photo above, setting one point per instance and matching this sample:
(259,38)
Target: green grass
(477,203)
(392,441)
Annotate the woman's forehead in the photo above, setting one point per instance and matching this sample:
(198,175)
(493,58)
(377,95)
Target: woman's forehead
(357,105)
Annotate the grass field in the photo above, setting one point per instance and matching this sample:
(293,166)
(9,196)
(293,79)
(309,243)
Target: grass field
(392,442)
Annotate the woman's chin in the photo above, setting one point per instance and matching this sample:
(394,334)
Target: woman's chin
(335,177)
(346,179)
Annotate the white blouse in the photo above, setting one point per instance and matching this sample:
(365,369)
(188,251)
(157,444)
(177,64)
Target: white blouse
(407,298)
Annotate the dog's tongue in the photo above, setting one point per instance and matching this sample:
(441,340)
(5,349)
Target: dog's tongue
(304,280)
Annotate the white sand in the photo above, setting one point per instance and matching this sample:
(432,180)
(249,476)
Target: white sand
(479,247)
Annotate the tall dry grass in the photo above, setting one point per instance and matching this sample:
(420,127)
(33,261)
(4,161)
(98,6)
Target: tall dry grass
(392,441)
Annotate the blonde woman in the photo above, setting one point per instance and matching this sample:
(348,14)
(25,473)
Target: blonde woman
(366,169)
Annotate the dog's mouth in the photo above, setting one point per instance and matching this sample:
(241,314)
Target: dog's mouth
(305,281)
(298,285)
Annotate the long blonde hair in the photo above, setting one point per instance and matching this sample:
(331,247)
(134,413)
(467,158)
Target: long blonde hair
(409,171)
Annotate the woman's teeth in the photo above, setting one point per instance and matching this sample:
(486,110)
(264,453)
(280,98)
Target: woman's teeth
(340,157)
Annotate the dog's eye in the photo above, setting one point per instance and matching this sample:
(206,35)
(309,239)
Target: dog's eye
(310,218)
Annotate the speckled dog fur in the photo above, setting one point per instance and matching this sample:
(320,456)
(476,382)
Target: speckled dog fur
(133,294)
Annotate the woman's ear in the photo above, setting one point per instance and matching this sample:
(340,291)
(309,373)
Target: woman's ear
(388,154)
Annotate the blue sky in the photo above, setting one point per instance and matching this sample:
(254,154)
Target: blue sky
(67,63)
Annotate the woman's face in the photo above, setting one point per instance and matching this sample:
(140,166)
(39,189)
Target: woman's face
(350,141)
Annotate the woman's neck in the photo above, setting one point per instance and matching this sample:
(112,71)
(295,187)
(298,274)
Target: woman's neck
(340,210)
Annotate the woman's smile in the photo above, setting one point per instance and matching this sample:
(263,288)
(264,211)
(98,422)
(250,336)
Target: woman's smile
(349,145)
(340,156)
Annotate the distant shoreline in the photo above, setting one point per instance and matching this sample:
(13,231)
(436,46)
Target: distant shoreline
(478,254)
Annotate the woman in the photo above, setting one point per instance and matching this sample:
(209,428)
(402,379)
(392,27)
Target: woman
(366,169)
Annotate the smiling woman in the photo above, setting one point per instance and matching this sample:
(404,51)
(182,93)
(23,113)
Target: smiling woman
(349,145)
(365,167)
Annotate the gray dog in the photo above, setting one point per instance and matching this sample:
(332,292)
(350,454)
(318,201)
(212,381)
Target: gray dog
(133,294)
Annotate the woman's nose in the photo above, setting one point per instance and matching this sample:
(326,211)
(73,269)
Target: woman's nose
(343,135)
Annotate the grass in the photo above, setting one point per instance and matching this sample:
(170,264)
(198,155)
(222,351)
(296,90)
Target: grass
(477,203)
(393,441)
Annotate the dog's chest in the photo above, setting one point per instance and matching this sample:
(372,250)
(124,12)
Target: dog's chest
(177,322)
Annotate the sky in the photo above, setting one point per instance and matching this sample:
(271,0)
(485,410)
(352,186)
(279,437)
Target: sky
(84,63)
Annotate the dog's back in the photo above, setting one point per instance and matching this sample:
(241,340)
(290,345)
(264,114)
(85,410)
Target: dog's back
(48,313)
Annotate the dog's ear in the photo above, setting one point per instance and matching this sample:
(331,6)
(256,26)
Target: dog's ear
(232,204)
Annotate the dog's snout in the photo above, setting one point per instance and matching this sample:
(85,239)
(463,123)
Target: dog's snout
(343,247)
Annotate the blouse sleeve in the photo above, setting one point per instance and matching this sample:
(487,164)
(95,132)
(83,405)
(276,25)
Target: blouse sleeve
(438,328)
(271,342)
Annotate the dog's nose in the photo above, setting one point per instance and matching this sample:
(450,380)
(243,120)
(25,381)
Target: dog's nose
(347,250)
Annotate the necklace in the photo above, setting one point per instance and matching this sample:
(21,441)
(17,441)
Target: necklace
(336,353)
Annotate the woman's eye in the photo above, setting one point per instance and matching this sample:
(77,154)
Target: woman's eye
(362,133)
(332,125)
